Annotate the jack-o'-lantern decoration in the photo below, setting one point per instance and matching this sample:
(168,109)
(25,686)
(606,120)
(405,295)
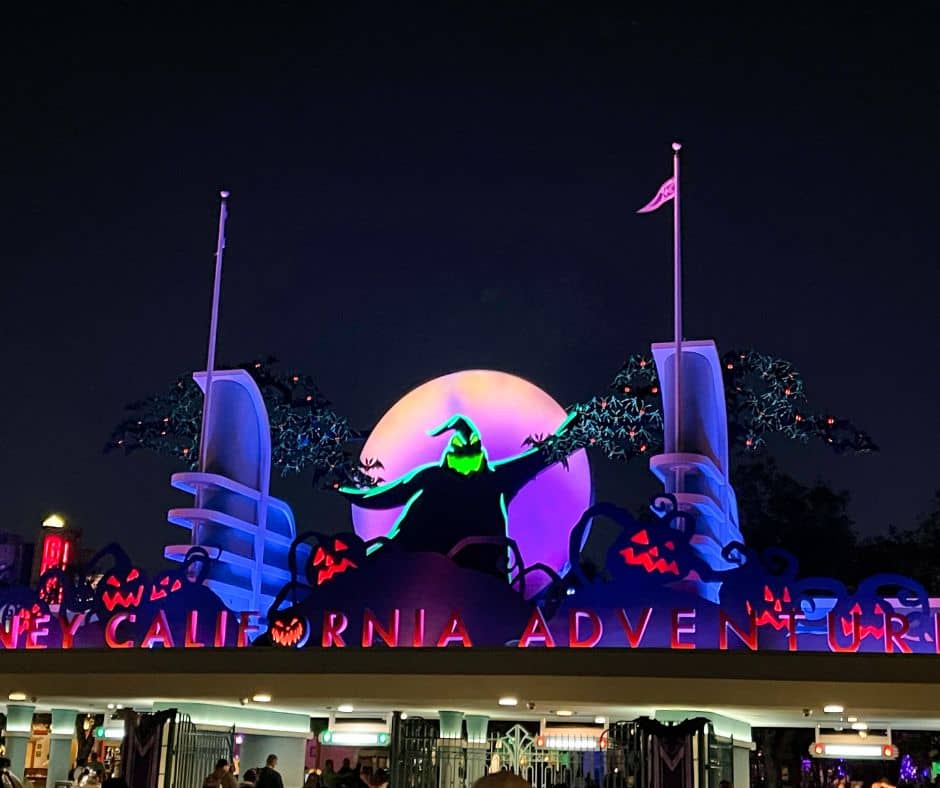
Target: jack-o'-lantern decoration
(866,629)
(193,571)
(770,611)
(654,556)
(165,584)
(122,589)
(52,586)
(289,629)
(328,562)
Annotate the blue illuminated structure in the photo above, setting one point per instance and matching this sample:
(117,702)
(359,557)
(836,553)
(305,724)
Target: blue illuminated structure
(247,532)
(696,470)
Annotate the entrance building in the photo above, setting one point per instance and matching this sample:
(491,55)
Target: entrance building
(440,717)
(481,612)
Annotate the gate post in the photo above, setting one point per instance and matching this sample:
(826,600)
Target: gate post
(450,750)
(60,744)
(394,749)
(476,747)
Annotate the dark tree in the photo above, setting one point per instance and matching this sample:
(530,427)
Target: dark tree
(811,521)
(914,552)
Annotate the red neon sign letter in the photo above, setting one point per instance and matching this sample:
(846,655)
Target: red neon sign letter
(245,627)
(454,630)
(37,630)
(159,632)
(192,631)
(574,629)
(635,636)
(69,629)
(678,615)
(536,630)
(725,623)
(110,631)
(371,625)
(334,624)
(833,637)
(894,636)
(221,625)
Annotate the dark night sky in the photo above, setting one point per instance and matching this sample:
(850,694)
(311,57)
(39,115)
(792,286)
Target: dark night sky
(420,193)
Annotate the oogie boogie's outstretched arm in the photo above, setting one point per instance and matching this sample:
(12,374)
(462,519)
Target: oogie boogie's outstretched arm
(388,496)
(516,472)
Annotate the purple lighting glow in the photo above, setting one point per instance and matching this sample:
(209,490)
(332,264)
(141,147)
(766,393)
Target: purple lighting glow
(506,409)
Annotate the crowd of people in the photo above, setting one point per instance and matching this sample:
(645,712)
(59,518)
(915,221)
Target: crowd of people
(347,776)
(223,776)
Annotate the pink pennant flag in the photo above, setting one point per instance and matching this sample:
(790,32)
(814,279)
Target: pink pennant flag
(666,192)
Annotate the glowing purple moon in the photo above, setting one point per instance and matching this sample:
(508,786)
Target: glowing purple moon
(506,409)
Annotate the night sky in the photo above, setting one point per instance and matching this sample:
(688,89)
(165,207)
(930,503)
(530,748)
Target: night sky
(416,192)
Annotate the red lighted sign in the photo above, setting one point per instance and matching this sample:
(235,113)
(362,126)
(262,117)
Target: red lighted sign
(648,627)
(55,552)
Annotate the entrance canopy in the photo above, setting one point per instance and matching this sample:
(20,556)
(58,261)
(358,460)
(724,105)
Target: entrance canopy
(772,689)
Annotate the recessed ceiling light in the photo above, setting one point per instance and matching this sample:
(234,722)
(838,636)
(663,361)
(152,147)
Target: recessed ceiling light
(15,696)
(54,521)
(833,708)
(859,726)
(508,700)
(564,713)
(345,708)
(851,719)
(261,697)
(110,705)
(120,706)
(404,715)
(600,720)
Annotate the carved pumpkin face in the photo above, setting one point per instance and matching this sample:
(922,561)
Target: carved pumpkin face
(122,589)
(654,558)
(51,589)
(770,611)
(329,563)
(82,596)
(865,629)
(289,630)
(165,584)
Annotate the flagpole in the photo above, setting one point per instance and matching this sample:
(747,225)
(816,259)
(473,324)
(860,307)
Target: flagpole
(677,306)
(213,333)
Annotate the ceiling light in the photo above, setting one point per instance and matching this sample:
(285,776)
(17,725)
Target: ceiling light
(17,696)
(600,720)
(261,697)
(404,715)
(851,719)
(859,726)
(345,708)
(564,713)
(833,708)
(509,700)
(110,705)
